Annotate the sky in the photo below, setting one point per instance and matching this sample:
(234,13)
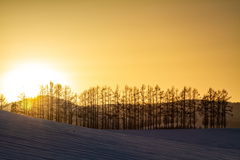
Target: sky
(88,43)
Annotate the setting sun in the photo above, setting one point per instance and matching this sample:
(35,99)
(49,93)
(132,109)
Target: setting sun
(27,78)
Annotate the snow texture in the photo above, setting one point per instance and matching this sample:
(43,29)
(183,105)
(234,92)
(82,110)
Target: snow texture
(23,137)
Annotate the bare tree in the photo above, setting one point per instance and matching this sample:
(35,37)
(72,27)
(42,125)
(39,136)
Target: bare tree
(226,110)
(51,100)
(58,93)
(195,104)
(183,107)
(3,101)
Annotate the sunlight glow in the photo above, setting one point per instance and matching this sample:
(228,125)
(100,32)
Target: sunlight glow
(27,78)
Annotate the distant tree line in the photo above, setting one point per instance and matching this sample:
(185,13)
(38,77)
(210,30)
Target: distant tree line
(131,108)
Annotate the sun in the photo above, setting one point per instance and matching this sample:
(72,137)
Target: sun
(27,78)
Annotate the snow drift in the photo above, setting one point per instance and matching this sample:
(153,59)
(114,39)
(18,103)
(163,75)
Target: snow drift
(23,137)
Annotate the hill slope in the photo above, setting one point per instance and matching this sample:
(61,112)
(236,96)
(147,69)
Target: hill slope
(23,137)
(234,121)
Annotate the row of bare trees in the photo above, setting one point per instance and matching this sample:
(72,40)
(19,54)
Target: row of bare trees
(131,108)
(152,108)
(54,102)
(214,109)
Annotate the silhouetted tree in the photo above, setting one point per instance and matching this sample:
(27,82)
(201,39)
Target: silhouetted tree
(97,99)
(14,107)
(177,103)
(226,110)
(172,97)
(58,93)
(195,97)
(161,99)
(143,104)
(42,89)
(183,107)
(22,108)
(51,100)
(48,101)
(3,101)
(126,105)
(67,114)
(157,89)
(166,110)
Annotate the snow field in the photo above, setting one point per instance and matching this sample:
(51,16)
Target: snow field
(23,137)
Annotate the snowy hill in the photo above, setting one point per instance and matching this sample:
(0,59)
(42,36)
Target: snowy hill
(234,121)
(23,137)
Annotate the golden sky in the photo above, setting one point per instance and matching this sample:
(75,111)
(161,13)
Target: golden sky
(87,43)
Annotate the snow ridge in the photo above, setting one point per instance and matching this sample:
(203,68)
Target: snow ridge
(23,137)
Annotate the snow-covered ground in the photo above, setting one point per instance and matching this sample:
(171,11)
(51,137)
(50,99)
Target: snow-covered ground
(23,137)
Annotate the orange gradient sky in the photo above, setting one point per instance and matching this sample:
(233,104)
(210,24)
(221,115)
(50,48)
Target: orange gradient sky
(88,43)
